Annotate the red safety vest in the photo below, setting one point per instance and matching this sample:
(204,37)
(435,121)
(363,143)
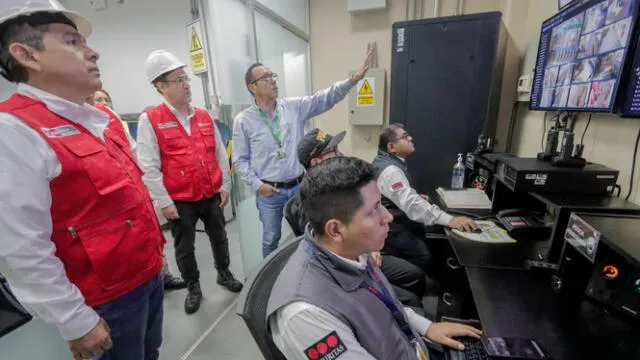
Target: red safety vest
(104,227)
(114,122)
(189,166)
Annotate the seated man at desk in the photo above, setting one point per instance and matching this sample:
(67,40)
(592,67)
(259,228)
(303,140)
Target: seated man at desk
(408,280)
(411,211)
(329,301)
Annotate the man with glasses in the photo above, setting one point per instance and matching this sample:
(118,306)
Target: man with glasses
(411,211)
(265,137)
(187,172)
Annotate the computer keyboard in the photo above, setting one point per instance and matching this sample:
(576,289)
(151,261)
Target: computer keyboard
(473,350)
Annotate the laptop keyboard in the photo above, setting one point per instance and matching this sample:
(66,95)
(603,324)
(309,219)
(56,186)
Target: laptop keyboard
(473,350)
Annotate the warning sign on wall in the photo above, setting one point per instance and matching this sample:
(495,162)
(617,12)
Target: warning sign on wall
(366,94)
(196,48)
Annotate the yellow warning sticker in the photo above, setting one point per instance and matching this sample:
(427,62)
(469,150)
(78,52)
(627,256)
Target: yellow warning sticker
(366,92)
(195,40)
(366,100)
(196,47)
(365,89)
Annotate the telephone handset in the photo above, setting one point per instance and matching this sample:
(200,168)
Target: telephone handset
(523,222)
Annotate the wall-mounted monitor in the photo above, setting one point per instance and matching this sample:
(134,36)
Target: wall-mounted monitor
(630,100)
(582,54)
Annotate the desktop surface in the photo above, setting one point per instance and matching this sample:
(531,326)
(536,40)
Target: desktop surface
(522,304)
(497,256)
(585,202)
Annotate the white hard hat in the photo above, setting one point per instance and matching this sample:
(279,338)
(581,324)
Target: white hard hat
(160,62)
(11,9)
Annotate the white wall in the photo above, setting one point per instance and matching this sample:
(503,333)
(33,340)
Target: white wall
(124,34)
(294,11)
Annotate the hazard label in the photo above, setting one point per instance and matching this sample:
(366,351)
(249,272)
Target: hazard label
(196,47)
(366,92)
(195,40)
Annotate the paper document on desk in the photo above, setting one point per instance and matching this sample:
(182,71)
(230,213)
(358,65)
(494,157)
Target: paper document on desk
(491,233)
(464,199)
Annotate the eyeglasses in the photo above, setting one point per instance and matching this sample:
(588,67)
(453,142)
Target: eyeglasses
(402,137)
(179,81)
(272,76)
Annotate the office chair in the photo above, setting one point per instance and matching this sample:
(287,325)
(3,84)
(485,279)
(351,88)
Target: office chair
(293,223)
(252,302)
(12,314)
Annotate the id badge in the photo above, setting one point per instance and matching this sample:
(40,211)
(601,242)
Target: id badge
(420,353)
(281,154)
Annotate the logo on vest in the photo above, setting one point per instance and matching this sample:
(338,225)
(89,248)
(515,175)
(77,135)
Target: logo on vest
(204,124)
(60,131)
(167,125)
(329,348)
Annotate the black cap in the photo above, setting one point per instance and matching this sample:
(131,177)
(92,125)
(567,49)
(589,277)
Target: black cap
(313,144)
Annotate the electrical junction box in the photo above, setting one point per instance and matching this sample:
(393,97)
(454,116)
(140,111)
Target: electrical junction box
(358,6)
(366,99)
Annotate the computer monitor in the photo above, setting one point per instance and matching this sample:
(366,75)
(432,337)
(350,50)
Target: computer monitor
(581,55)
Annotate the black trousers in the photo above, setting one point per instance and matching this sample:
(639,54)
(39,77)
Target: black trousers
(406,240)
(183,231)
(408,281)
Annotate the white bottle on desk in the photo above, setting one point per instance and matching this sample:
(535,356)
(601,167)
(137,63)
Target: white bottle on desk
(457,176)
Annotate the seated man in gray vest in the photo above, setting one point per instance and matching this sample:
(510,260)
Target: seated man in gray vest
(329,301)
(411,211)
(408,281)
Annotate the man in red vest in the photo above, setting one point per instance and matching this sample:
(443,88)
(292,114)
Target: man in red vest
(80,243)
(187,172)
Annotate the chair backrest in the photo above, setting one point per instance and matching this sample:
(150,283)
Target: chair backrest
(293,222)
(252,302)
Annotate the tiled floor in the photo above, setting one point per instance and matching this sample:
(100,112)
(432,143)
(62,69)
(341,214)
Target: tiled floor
(211,333)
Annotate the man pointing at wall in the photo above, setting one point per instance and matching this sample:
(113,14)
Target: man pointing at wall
(265,139)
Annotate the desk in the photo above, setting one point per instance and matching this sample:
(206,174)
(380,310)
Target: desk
(522,304)
(500,256)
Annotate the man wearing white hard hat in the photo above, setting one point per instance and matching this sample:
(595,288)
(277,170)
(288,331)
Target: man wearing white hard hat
(80,243)
(186,171)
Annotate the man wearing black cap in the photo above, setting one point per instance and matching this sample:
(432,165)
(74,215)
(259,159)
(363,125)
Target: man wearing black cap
(81,246)
(408,280)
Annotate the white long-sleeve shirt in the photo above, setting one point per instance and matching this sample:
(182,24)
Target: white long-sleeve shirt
(298,325)
(148,155)
(394,185)
(27,254)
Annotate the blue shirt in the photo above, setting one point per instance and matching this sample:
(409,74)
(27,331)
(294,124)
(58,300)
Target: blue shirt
(255,151)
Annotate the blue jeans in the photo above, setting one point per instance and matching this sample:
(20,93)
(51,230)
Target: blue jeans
(270,210)
(135,320)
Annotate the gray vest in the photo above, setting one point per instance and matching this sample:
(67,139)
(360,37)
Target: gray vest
(316,276)
(381,162)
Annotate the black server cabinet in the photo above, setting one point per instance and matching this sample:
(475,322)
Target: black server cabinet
(446,76)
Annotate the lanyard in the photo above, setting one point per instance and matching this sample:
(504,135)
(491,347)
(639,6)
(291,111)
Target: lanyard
(275,132)
(385,296)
